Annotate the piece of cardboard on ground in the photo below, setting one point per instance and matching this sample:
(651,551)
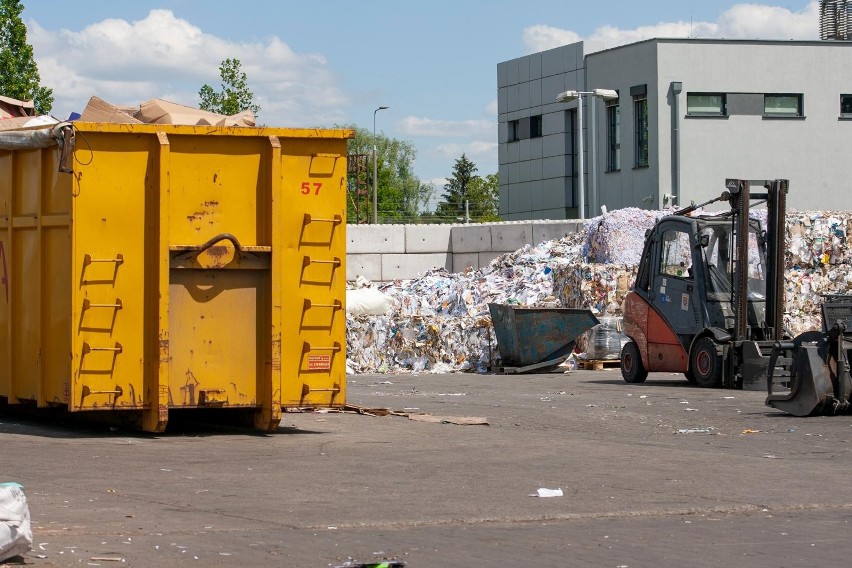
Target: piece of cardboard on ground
(98,110)
(460,420)
(11,108)
(158,111)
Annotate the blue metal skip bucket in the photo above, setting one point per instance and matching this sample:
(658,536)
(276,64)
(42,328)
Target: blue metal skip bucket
(526,336)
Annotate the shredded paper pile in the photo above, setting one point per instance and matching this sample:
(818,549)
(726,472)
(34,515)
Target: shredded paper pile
(440,322)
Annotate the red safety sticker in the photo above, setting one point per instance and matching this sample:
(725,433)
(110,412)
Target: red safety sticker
(319,362)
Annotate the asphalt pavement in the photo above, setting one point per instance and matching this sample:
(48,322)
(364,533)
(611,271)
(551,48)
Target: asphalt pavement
(651,475)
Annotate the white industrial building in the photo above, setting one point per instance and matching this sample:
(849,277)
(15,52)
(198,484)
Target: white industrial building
(689,113)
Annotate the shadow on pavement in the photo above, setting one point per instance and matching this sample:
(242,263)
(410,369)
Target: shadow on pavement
(55,423)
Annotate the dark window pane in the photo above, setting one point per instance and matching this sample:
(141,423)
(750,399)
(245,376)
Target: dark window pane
(640,111)
(535,126)
(613,136)
(845,104)
(513,131)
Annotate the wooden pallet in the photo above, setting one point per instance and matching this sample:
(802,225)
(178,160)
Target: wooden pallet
(599,364)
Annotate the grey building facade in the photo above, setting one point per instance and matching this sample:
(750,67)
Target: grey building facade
(690,113)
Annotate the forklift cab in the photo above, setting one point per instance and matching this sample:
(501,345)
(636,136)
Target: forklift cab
(667,274)
(686,275)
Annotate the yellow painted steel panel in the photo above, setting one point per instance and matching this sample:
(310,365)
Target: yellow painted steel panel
(218,324)
(56,311)
(109,264)
(175,267)
(217,186)
(314,287)
(35,279)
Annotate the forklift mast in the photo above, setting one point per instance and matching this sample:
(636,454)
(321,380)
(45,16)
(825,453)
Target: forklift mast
(774,194)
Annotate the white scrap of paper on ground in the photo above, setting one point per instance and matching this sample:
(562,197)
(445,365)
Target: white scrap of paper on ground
(543,492)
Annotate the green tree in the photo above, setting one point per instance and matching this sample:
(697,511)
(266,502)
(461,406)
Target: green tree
(484,196)
(19,76)
(235,95)
(452,208)
(401,194)
(468,196)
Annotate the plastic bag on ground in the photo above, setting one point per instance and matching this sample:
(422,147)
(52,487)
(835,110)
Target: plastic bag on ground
(16,533)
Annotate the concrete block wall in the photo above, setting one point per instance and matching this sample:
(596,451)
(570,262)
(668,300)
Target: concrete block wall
(388,252)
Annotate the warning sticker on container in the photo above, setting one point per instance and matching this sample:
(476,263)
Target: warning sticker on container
(684,302)
(319,362)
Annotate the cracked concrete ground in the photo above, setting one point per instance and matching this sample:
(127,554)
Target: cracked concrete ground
(658,474)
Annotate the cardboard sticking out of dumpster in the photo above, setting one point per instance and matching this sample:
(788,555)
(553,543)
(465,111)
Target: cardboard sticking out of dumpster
(534,338)
(10,108)
(26,122)
(158,111)
(98,110)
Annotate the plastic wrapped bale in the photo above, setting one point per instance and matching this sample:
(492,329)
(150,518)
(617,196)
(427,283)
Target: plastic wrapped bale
(604,341)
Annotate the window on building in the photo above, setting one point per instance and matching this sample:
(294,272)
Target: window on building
(782,105)
(535,126)
(640,131)
(706,104)
(513,130)
(613,136)
(846,105)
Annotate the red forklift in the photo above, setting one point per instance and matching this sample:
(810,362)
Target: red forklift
(708,302)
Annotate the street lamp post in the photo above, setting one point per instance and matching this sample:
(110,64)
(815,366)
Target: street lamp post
(568,96)
(375,169)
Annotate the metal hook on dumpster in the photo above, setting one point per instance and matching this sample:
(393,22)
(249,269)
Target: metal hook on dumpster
(193,251)
(222,237)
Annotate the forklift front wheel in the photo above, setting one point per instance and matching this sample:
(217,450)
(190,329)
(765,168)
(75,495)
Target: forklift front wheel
(705,364)
(631,364)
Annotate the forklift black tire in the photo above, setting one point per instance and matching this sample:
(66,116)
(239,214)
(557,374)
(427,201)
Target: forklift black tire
(690,377)
(705,364)
(631,364)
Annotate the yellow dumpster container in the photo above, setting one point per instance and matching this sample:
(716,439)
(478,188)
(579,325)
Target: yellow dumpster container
(171,267)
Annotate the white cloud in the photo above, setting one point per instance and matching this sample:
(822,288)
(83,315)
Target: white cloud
(474,149)
(492,108)
(165,56)
(418,126)
(770,22)
(741,21)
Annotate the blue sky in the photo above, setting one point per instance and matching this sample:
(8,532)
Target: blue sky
(333,62)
